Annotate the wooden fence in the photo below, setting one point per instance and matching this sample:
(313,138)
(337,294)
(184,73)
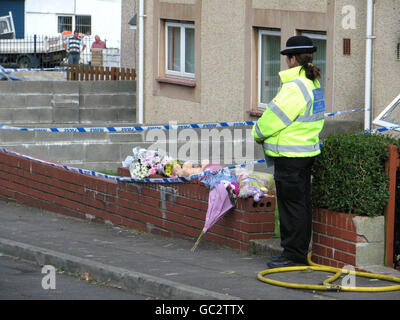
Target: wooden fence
(391,166)
(98,73)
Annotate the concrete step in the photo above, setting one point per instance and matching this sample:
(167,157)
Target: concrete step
(67,102)
(69,115)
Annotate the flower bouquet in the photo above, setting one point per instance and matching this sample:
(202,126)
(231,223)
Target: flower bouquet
(144,163)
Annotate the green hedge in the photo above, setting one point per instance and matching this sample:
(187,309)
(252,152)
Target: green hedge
(349,175)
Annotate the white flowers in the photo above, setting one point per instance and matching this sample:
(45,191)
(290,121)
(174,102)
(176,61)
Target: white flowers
(138,171)
(146,162)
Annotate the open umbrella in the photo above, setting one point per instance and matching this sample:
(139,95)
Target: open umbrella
(218,204)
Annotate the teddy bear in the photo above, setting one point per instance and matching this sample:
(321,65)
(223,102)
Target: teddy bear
(188,168)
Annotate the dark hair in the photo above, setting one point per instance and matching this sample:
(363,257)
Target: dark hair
(305,60)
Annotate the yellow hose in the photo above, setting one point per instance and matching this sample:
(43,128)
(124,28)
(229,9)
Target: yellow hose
(327,284)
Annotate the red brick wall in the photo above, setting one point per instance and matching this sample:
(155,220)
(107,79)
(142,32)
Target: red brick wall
(176,210)
(334,238)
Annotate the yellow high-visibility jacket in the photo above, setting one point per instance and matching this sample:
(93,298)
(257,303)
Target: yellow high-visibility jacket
(292,121)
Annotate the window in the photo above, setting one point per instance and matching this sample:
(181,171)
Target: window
(390,116)
(269,65)
(69,23)
(64,23)
(319,40)
(179,49)
(83,24)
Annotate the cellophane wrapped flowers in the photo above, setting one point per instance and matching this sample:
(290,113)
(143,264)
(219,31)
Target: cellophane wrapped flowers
(143,163)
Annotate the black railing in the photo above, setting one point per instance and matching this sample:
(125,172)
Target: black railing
(48,51)
(32,52)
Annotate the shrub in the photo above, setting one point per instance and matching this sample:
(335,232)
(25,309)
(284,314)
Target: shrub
(349,175)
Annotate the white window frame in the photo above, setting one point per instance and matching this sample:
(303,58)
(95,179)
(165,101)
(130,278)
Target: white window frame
(66,16)
(73,20)
(387,124)
(183,27)
(261,33)
(317,36)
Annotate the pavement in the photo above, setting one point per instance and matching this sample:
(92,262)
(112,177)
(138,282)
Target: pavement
(156,266)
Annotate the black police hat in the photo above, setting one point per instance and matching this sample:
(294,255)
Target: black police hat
(299,44)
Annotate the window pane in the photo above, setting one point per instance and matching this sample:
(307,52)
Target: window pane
(189,50)
(320,59)
(64,24)
(84,24)
(270,67)
(4,27)
(174,48)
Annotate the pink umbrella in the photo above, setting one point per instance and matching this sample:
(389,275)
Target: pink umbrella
(218,203)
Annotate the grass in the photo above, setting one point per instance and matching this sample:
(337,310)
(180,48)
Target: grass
(277,229)
(109,172)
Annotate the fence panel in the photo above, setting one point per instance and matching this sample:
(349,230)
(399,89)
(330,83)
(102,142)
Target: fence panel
(97,73)
(391,166)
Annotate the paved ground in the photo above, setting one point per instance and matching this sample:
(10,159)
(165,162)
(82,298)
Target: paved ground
(41,75)
(150,265)
(21,280)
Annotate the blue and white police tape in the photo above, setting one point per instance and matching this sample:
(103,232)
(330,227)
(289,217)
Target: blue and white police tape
(8,70)
(157,127)
(267,160)
(373,131)
(128,179)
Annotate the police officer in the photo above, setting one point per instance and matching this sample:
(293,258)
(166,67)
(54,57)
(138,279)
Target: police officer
(289,132)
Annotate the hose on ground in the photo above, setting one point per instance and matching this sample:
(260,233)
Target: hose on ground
(328,285)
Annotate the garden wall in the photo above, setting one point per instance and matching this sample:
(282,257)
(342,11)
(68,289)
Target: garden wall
(341,239)
(176,210)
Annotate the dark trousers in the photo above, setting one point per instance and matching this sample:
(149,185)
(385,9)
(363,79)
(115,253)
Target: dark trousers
(293,190)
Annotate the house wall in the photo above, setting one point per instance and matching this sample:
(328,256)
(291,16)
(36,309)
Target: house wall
(225,55)
(386,68)
(128,36)
(348,73)
(225,87)
(41,17)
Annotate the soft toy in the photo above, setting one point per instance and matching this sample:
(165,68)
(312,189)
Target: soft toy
(251,191)
(262,183)
(188,168)
(232,187)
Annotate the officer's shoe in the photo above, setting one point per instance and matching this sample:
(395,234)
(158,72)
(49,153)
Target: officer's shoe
(275,258)
(282,262)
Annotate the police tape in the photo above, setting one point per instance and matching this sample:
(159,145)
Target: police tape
(165,180)
(156,127)
(7,70)
(128,179)
(165,127)
(373,131)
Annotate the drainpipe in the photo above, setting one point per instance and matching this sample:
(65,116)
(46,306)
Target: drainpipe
(141,62)
(368,65)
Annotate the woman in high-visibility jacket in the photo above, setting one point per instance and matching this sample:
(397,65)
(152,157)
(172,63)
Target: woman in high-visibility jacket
(289,133)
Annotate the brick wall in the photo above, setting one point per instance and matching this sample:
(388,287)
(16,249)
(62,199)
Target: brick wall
(176,210)
(334,238)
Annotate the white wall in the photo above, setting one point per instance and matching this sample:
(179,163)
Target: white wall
(41,17)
